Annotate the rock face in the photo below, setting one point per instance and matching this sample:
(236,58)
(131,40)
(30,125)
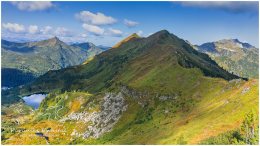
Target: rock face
(100,121)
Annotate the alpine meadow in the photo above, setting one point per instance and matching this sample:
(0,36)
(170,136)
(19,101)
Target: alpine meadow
(124,73)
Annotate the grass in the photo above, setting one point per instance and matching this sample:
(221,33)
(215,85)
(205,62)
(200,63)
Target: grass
(200,106)
(218,108)
(211,115)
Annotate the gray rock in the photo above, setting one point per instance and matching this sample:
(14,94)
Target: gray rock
(102,121)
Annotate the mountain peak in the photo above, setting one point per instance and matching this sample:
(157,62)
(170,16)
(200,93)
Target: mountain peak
(234,43)
(230,41)
(132,36)
(160,34)
(54,39)
(49,42)
(164,31)
(236,40)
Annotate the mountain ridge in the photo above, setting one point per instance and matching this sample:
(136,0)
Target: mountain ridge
(132,36)
(233,55)
(157,87)
(159,45)
(52,54)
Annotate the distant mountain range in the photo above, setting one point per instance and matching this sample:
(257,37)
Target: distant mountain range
(234,56)
(153,90)
(22,62)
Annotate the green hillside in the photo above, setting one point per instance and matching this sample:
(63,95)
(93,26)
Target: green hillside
(36,58)
(137,58)
(154,90)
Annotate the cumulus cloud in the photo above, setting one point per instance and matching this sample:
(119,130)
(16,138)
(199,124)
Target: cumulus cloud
(114,32)
(95,19)
(62,32)
(14,31)
(230,6)
(46,30)
(33,29)
(14,27)
(130,23)
(93,29)
(33,5)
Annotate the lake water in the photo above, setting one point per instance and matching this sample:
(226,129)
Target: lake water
(34,100)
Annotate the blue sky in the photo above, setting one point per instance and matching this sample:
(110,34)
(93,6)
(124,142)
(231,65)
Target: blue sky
(106,23)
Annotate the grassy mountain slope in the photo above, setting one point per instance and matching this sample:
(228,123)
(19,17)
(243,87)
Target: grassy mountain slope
(155,90)
(14,77)
(141,58)
(37,58)
(214,107)
(90,48)
(167,123)
(133,36)
(234,56)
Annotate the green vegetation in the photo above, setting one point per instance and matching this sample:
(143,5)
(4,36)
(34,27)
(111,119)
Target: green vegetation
(133,59)
(57,105)
(247,134)
(174,95)
(25,61)
(13,77)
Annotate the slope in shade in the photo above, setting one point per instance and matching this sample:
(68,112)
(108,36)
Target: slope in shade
(39,57)
(14,77)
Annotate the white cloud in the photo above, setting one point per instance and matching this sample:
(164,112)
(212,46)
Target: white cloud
(93,29)
(115,32)
(230,6)
(62,32)
(14,27)
(95,19)
(46,30)
(84,35)
(36,33)
(130,23)
(33,29)
(140,32)
(33,5)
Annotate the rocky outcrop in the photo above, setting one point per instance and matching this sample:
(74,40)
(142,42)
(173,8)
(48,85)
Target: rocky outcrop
(100,121)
